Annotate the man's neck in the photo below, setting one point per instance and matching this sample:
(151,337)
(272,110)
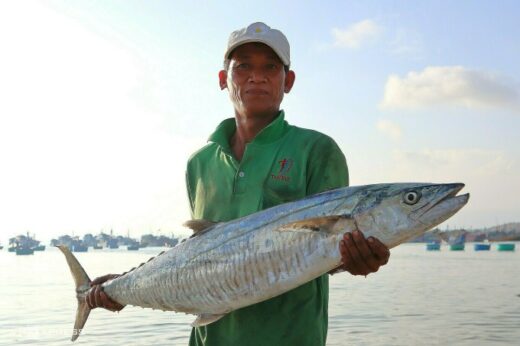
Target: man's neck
(247,129)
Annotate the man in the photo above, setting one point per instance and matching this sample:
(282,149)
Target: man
(257,160)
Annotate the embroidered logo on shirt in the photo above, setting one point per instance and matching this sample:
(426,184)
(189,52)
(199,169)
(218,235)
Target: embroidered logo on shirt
(285,166)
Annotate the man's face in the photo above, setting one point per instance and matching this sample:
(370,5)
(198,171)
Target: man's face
(256,79)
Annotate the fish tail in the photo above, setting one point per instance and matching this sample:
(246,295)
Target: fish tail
(82,282)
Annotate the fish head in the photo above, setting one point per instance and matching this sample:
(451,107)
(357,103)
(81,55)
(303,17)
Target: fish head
(394,213)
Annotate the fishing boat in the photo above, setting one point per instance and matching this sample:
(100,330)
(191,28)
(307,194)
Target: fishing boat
(506,247)
(24,244)
(79,248)
(457,240)
(457,247)
(433,246)
(24,251)
(133,247)
(112,244)
(39,248)
(482,247)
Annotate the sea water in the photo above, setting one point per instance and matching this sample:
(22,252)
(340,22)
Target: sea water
(419,298)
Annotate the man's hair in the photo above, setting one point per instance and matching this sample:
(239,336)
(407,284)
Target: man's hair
(228,61)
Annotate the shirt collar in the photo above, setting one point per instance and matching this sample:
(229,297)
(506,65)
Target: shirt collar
(271,133)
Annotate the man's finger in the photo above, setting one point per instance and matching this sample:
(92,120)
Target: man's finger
(370,261)
(348,263)
(92,298)
(101,279)
(88,298)
(379,250)
(357,259)
(97,298)
(109,303)
(342,250)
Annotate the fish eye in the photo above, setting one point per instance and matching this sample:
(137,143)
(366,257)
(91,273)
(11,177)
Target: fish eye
(411,197)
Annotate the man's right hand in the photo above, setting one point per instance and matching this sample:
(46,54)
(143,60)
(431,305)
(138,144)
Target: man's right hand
(96,298)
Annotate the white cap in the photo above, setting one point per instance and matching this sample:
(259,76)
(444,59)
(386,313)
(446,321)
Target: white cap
(260,32)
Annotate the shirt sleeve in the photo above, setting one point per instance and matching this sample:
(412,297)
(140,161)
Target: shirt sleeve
(326,167)
(188,189)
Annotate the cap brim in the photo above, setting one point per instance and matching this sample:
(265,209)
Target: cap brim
(256,40)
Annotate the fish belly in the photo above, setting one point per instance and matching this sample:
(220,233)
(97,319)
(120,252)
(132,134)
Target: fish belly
(245,270)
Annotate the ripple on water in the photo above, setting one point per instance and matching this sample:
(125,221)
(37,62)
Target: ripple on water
(418,298)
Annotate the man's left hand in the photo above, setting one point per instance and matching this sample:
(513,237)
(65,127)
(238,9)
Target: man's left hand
(360,255)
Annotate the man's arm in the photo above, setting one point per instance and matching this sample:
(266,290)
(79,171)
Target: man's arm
(326,167)
(328,170)
(189,191)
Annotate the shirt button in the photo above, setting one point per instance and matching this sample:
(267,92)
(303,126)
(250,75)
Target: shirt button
(241,174)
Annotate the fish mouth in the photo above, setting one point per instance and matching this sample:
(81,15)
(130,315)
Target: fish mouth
(443,207)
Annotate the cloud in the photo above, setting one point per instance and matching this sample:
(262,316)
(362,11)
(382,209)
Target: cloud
(476,162)
(452,86)
(357,34)
(389,129)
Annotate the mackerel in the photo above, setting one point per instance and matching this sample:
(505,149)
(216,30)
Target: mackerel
(229,265)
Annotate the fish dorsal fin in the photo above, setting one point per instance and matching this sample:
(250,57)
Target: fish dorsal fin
(199,225)
(205,319)
(324,224)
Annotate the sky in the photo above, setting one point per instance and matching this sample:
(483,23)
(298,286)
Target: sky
(102,102)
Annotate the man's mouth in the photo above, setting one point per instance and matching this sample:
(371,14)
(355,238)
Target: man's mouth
(257,92)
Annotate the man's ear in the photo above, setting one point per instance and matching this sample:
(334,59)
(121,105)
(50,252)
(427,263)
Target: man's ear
(222,79)
(290,77)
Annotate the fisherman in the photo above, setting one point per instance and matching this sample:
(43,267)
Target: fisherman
(254,161)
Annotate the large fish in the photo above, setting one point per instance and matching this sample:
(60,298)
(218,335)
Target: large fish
(226,266)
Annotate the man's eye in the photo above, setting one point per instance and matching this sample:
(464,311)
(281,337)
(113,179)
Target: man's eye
(243,66)
(271,67)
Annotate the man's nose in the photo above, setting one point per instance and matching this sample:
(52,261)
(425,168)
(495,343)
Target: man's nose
(257,76)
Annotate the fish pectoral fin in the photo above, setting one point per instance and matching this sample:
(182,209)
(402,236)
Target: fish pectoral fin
(199,225)
(331,224)
(205,319)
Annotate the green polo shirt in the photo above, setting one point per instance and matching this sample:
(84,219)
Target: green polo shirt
(283,163)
